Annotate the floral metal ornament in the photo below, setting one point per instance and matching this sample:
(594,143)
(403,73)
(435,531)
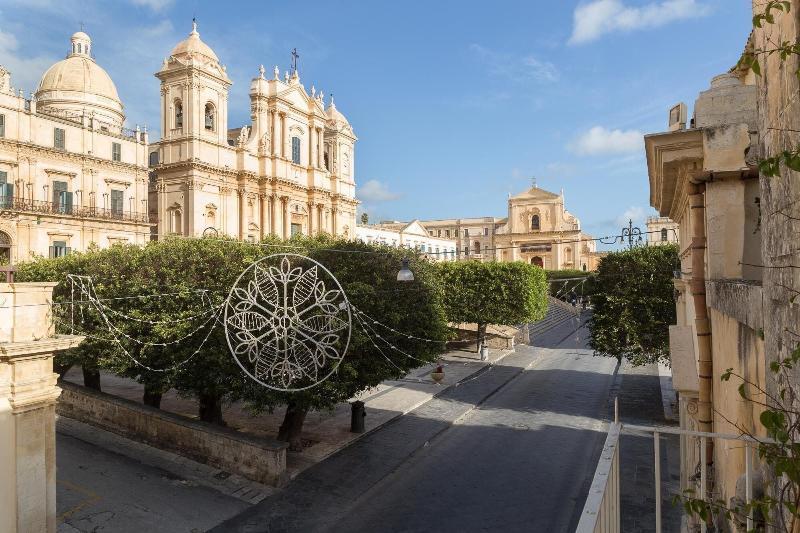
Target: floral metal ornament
(287,322)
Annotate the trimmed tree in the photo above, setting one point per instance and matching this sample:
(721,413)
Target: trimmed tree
(634,304)
(507,294)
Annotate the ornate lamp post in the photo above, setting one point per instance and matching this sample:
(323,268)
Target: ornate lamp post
(632,233)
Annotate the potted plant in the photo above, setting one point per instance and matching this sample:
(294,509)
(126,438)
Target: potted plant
(438,374)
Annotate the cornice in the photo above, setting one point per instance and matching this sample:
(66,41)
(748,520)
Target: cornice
(30,149)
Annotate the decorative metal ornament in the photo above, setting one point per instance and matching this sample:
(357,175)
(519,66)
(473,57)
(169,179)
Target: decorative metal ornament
(288,322)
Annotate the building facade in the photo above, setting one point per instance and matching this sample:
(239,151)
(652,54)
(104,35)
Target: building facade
(705,178)
(71,174)
(661,230)
(412,235)
(537,230)
(290,171)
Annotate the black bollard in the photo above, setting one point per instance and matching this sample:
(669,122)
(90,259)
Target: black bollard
(357,415)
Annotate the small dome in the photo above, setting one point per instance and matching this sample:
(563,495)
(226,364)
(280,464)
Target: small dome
(335,115)
(193,45)
(78,83)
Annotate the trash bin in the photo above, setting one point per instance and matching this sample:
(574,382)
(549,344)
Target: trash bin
(357,415)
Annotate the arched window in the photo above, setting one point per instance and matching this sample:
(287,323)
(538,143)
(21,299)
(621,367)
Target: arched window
(296,150)
(664,234)
(153,159)
(178,114)
(5,248)
(476,247)
(535,225)
(584,267)
(537,261)
(210,126)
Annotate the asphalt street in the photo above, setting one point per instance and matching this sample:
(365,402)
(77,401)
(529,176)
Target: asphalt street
(513,449)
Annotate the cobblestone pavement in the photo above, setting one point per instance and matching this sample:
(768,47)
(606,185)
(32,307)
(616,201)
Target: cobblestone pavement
(522,461)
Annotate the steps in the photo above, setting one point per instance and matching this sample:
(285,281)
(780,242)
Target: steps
(557,312)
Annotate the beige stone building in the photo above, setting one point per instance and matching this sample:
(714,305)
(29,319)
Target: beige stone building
(705,178)
(291,170)
(71,174)
(661,230)
(412,235)
(538,230)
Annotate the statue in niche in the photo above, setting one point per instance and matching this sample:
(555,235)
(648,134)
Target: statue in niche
(263,144)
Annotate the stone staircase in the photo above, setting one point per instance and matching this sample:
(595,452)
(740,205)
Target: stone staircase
(557,312)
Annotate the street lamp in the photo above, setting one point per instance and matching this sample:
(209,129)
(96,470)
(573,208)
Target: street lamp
(405,273)
(633,234)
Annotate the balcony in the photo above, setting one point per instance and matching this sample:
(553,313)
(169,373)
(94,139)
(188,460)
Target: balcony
(15,204)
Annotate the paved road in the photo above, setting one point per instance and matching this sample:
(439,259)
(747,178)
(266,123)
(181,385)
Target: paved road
(99,490)
(521,461)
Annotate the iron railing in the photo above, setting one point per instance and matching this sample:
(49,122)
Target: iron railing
(25,205)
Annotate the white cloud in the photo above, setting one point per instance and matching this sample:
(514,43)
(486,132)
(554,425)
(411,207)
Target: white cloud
(26,72)
(375,191)
(599,17)
(516,69)
(635,213)
(155,5)
(602,141)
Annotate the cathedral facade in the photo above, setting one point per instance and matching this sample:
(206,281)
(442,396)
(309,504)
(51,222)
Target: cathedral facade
(290,171)
(538,230)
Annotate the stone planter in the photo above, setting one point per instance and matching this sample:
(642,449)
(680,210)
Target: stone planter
(437,376)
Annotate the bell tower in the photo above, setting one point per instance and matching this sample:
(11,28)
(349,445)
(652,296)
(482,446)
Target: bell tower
(194,99)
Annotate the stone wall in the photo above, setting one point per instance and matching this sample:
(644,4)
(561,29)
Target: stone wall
(256,459)
(779,124)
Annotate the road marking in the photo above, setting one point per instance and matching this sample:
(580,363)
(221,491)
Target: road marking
(91,499)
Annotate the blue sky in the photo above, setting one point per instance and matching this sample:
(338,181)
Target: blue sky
(456,103)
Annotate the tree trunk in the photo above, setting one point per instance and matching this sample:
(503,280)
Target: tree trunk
(481,334)
(152,397)
(292,426)
(91,378)
(210,409)
(61,370)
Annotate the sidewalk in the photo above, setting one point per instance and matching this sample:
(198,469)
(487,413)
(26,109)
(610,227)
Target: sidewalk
(324,432)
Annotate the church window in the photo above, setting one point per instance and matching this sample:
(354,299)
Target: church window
(178,114)
(466,233)
(153,159)
(485,232)
(2,125)
(296,150)
(209,117)
(664,234)
(535,225)
(79,48)
(58,138)
(116,152)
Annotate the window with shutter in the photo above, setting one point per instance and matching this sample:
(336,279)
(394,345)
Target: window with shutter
(2,125)
(296,150)
(6,190)
(116,152)
(59,138)
(59,249)
(117,203)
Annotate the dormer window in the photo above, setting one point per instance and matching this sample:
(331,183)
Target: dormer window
(178,114)
(209,117)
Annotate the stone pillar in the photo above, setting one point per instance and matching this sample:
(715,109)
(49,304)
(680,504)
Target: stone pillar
(283,135)
(320,221)
(285,211)
(28,394)
(272,202)
(310,218)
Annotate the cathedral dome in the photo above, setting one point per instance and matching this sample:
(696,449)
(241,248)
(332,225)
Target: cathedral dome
(78,84)
(193,45)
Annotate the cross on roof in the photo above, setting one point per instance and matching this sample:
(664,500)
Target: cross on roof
(295,57)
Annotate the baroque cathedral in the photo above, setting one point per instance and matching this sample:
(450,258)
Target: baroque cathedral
(290,171)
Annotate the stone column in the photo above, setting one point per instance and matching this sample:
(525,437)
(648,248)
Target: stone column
(28,394)
(320,226)
(273,134)
(334,220)
(283,135)
(272,219)
(262,217)
(310,207)
(285,205)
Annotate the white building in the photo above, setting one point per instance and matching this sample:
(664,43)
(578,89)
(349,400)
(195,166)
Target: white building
(290,170)
(408,235)
(71,174)
(661,230)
